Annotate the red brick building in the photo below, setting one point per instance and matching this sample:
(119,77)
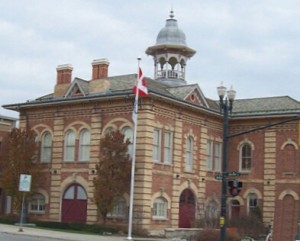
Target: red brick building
(179,146)
(6,125)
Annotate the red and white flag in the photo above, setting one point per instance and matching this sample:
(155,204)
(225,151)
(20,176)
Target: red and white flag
(141,85)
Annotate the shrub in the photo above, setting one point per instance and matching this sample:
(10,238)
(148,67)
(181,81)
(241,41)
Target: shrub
(89,228)
(214,235)
(249,226)
(9,219)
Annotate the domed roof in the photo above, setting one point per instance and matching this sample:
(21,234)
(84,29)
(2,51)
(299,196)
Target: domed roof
(171,34)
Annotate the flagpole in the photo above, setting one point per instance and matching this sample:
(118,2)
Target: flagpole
(135,108)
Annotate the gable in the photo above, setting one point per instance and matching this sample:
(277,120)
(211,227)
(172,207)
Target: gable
(190,93)
(195,98)
(77,88)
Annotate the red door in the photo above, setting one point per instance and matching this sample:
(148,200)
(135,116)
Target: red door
(186,209)
(74,205)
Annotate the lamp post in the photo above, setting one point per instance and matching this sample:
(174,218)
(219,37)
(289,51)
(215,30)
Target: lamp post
(226,104)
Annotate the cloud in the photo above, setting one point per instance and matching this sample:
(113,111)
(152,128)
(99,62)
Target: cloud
(249,44)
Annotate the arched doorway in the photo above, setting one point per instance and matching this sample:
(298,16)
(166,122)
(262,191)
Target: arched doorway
(286,219)
(74,205)
(187,209)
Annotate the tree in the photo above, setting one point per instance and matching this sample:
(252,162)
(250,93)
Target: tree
(19,157)
(113,172)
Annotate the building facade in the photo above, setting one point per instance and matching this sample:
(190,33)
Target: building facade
(6,125)
(179,147)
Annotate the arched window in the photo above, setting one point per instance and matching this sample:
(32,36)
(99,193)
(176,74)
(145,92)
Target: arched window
(84,145)
(189,154)
(46,150)
(252,203)
(246,157)
(69,146)
(160,207)
(211,214)
(128,134)
(289,162)
(36,203)
(75,192)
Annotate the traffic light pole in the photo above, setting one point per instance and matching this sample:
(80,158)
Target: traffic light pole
(223,222)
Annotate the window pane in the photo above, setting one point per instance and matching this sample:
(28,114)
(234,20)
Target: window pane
(70,146)
(69,194)
(252,203)
(84,145)
(168,147)
(218,156)
(209,151)
(156,145)
(128,134)
(160,208)
(189,155)
(81,195)
(46,147)
(246,157)
(37,203)
(119,209)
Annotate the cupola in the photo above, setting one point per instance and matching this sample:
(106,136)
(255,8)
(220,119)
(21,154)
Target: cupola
(170,54)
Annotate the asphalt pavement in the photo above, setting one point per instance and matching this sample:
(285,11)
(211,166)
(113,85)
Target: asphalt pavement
(59,235)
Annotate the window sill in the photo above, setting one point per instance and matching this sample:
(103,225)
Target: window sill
(156,218)
(245,171)
(36,212)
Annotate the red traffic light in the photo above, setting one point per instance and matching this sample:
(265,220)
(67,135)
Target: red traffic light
(234,187)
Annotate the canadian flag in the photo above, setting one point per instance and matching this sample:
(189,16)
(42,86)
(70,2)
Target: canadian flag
(140,87)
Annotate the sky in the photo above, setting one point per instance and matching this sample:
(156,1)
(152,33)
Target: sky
(252,45)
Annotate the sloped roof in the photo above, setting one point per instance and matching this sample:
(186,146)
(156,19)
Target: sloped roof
(123,84)
(265,106)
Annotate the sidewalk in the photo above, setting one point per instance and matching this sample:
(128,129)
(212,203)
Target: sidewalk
(36,232)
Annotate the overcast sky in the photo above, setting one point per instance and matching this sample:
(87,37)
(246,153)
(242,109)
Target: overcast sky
(253,45)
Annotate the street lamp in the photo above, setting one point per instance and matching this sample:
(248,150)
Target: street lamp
(226,104)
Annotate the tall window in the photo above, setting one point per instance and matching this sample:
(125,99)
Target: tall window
(128,134)
(37,203)
(252,203)
(84,145)
(157,145)
(246,157)
(209,155)
(69,154)
(46,147)
(218,156)
(189,154)
(160,207)
(168,147)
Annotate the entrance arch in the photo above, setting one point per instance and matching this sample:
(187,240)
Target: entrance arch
(74,205)
(187,209)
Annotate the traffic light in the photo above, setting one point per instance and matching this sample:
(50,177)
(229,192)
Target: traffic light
(234,187)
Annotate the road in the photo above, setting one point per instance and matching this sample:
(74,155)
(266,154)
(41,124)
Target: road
(19,237)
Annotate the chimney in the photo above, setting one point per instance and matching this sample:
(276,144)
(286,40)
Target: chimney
(64,74)
(100,68)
